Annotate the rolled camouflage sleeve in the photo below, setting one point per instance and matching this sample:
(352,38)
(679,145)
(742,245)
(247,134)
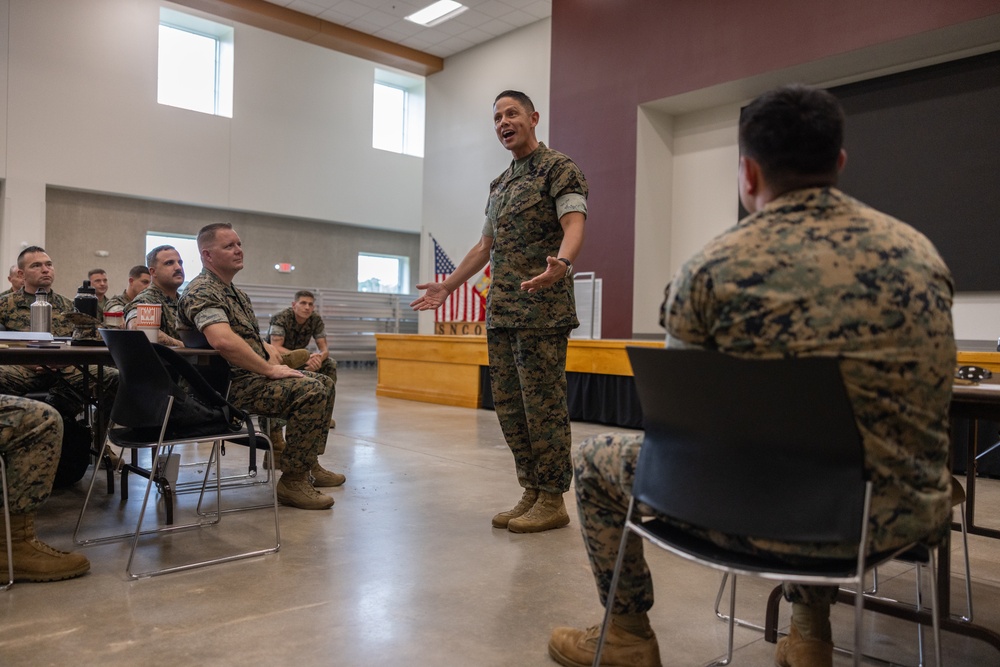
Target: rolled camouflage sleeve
(209,316)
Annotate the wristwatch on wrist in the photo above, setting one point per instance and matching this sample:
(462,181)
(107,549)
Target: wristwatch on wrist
(569,266)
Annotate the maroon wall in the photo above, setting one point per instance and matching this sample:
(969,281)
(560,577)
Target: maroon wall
(608,57)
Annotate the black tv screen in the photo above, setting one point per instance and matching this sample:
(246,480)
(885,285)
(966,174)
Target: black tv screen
(924,146)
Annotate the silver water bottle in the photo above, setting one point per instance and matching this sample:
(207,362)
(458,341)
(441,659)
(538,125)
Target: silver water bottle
(41,313)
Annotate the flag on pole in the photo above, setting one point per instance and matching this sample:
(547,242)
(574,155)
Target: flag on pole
(465,304)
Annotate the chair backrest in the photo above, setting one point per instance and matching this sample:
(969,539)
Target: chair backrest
(217,370)
(143,382)
(760,448)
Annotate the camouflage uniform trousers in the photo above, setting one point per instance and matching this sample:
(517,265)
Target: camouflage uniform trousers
(329,369)
(528,378)
(605,469)
(305,403)
(66,386)
(30,441)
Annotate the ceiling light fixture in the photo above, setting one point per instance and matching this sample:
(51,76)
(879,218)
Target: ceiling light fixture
(439,12)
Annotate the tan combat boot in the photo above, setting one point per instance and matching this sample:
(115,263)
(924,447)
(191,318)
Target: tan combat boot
(576,648)
(796,651)
(34,560)
(323,477)
(528,499)
(548,512)
(295,490)
(295,358)
(277,436)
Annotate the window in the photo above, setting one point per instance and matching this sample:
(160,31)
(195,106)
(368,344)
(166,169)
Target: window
(388,274)
(187,248)
(195,64)
(398,113)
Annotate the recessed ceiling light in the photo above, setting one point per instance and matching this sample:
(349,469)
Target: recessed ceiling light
(437,13)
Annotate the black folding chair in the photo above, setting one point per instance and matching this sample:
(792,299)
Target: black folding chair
(139,420)
(752,448)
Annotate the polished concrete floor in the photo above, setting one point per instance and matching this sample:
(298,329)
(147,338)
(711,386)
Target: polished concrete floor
(404,570)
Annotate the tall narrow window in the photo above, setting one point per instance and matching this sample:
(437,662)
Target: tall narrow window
(389,274)
(398,113)
(195,66)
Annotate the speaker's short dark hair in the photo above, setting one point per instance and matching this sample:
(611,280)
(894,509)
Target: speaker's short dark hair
(518,97)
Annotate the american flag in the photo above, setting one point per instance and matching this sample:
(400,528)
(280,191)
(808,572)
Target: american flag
(465,304)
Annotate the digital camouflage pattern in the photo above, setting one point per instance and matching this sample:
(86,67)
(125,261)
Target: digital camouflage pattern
(305,403)
(31,442)
(168,309)
(522,220)
(814,273)
(15,312)
(299,336)
(117,303)
(527,333)
(817,273)
(528,379)
(65,385)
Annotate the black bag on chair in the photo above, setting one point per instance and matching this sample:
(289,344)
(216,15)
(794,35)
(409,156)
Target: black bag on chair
(198,408)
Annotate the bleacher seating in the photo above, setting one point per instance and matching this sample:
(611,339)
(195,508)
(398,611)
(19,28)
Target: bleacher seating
(351,318)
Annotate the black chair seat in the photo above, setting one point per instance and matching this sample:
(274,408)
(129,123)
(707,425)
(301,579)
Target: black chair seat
(686,545)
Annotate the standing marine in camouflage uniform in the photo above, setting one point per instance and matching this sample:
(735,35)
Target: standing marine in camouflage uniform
(223,313)
(811,272)
(294,328)
(533,233)
(30,440)
(66,386)
(166,272)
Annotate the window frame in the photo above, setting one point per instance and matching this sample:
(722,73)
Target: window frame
(223,65)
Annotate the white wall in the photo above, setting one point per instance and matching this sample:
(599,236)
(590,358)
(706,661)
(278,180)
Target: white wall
(462,154)
(79,111)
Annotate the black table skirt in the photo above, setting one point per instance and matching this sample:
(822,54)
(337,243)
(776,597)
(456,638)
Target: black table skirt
(601,399)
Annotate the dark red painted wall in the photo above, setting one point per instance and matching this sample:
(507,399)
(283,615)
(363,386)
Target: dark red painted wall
(609,56)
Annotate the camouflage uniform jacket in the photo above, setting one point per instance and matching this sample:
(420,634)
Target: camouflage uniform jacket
(817,273)
(168,310)
(15,312)
(117,303)
(207,300)
(522,220)
(297,336)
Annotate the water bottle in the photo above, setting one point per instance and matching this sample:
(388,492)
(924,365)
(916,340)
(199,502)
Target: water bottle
(41,313)
(86,300)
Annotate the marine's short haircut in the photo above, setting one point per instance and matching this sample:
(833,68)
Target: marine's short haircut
(30,249)
(303,293)
(138,271)
(518,97)
(91,273)
(151,259)
(795,134)
(206,235)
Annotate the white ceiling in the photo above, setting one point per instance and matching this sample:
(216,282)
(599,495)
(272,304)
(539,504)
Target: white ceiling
(484,20)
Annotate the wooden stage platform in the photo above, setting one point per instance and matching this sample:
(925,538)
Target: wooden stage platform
(446,369)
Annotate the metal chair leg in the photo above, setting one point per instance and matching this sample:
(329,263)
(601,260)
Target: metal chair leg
(968,570)
(723,617)
(6,516)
